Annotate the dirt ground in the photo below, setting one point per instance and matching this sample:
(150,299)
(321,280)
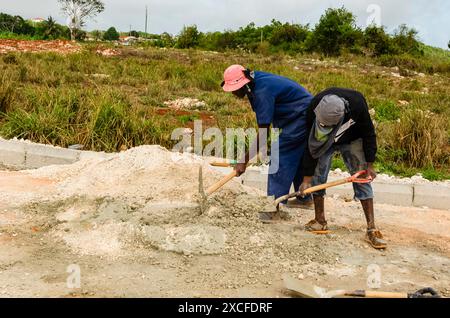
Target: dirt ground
(57,46)
(133,228)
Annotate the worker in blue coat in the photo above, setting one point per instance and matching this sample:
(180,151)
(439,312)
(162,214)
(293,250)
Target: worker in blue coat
(281,103)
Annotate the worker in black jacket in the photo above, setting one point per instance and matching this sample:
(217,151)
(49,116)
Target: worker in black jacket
(339,121)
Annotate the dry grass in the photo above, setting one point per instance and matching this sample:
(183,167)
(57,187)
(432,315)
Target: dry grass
(106,103)
(419,138)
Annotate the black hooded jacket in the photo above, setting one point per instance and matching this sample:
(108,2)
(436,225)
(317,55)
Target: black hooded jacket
(363,128)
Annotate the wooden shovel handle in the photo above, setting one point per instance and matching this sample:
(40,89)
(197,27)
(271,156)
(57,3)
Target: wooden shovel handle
(225,179)
(311,190)
(220,184)
(325,186)
(220,164)
(354,178)
(375,294)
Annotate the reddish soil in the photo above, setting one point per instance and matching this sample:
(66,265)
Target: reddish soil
(58,46)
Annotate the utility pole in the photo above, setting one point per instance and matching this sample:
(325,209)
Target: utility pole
(146,20)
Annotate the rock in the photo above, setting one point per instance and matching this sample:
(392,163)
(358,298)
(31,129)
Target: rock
(206,240)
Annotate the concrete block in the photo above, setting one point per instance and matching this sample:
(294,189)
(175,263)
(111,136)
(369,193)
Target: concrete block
(37,156)
(396,194)
(344,191)
(12,154)
(432,196)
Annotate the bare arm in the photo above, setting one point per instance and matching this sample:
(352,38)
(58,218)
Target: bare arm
(242,164)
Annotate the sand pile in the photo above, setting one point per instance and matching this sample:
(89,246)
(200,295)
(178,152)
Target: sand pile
(146,196)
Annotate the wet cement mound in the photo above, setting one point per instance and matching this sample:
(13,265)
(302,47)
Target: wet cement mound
(145,197)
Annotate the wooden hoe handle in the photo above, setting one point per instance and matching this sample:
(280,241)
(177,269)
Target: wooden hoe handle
(220,184)
(225,179)
(354,178)
(325,186)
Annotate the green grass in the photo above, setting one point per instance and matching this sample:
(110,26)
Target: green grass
(105,103)
(14,36)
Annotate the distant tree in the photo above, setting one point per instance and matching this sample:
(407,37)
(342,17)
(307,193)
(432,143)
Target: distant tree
(448,44)
(80,35)
(249,37)
(377,41)
(134,33)
(288,37)
(336,30)
(49,29)
(97,35)
(218,41)
(405,41)
(79,11)
(111,35)
(15,24)
(167,40)
(188,38)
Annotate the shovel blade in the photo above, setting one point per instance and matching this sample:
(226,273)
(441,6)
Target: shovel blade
(300,289)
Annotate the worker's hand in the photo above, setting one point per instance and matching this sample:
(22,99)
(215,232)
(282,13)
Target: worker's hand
(240,168)
(305,185)
(371,171)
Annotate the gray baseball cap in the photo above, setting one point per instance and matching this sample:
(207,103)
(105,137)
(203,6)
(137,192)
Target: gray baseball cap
(330,111)
(330,114)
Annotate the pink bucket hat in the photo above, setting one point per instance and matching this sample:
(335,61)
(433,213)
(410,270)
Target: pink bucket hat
(234,78)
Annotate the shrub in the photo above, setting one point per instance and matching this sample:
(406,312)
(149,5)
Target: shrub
(288,33)
(111,35)
(386,111)
(188,38)
(377,41)
(405,41)
(97,35)
(15,24)
(419,138)
(336,30)
(6,90)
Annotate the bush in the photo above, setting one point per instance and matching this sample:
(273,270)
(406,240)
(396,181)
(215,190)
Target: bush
(188,38)
(405,41)
(6,86)
(419,138)
(167,40)
(111,35)
(377,41)
(336,30)
(218,41)
(50,30)
(249,37)
(97,35)
(289,37)
(15,24)
(386,111)
(288,33)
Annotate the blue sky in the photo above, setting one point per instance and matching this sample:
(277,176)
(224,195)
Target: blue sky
(430,17)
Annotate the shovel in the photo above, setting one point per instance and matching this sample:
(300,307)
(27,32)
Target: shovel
(268,214)
(305,290)
(216,186)
(356,178)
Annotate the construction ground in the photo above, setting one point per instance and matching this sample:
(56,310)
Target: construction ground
(131,224)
